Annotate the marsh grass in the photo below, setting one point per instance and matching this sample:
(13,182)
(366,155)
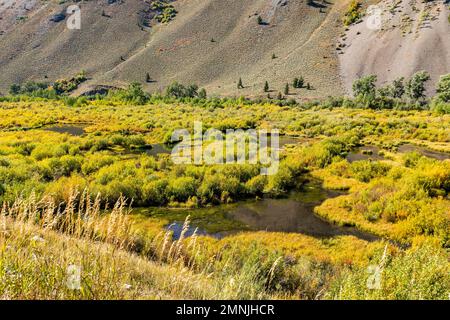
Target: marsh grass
(79,218)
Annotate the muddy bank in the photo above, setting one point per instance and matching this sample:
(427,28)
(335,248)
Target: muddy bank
(73,130)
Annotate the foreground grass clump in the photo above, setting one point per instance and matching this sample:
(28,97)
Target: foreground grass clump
(38,245)
(40,242)
(420,273)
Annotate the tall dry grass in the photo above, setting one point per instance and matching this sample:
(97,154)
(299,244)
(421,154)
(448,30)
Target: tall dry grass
(40,239)
(80,218)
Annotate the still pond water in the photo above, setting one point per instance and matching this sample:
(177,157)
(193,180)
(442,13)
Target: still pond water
(293,214)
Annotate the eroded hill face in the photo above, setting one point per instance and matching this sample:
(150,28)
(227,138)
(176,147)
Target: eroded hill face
(15,11)
(213,43)
(414,36)
(42,49)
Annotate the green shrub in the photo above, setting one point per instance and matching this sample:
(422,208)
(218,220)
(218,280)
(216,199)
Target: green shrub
(366,170)
(415,87)
(134,94)
(95,162)
(365,88)
(177,90)
(154,192)
(182,188)
(280,182)
(441,102)
(411,159)
(43,151)
(256,185)
(63,166)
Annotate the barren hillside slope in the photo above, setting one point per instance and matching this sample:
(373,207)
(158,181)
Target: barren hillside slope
(414,36)
(12,11)
(40,49)
(214,43)
(211,43)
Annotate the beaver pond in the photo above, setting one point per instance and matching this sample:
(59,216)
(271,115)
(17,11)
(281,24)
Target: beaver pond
(292,214)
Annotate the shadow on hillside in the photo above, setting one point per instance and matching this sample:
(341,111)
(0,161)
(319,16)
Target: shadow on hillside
(314,4)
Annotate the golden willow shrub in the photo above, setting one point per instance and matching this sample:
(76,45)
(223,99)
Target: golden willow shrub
(406,203)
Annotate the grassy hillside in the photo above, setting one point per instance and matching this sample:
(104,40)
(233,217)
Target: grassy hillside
(35,257)
(37,254)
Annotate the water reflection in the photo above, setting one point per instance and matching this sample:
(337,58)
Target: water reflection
(157,149)
(365,153)
(371,152)
(294,214)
